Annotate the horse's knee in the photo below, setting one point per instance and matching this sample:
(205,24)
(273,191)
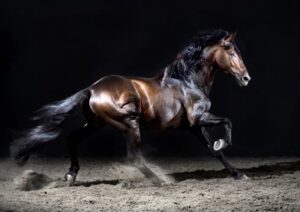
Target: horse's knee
(228,122)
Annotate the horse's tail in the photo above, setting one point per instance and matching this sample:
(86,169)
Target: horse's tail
(49,119)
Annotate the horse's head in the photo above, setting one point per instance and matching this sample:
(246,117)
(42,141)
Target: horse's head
(228,58)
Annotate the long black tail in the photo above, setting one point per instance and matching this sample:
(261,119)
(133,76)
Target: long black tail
(49,119)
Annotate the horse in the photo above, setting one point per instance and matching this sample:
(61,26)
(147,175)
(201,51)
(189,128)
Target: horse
(177,97)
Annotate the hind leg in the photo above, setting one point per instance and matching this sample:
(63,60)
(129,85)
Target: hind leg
(134,153)
(73,140)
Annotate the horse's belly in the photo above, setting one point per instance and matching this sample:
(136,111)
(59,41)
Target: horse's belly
(166,113)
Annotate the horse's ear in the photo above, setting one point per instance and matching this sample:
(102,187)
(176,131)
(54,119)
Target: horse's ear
(233,35)
(230,37)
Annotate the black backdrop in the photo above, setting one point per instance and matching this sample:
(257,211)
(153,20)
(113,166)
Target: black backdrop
(51,49)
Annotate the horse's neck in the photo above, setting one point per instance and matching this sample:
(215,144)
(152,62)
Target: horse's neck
(205,78)
(201,79)
(206,72)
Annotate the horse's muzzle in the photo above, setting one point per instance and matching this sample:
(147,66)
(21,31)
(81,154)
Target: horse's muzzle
(244,80)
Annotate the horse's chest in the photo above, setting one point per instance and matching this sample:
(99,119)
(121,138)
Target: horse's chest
(168,111)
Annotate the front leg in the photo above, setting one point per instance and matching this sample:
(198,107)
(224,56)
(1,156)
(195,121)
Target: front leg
(208,119)
(212,120)
(219,154)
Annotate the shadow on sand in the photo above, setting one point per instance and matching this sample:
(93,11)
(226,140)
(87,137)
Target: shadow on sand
(265,170)
(95,182)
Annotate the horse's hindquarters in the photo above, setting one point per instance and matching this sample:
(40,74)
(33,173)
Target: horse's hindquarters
(113,99)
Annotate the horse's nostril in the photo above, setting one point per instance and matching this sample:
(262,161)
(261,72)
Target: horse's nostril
(246,78)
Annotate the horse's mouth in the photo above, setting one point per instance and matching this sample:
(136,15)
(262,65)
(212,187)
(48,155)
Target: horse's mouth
(243,84)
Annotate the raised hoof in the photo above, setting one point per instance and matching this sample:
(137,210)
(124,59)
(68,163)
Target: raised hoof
(70,177)
(220,144)
(127,184)
(156,181)
(241,176)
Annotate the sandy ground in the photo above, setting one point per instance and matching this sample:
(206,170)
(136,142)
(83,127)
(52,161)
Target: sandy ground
(112,185)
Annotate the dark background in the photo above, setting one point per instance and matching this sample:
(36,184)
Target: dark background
(51,49)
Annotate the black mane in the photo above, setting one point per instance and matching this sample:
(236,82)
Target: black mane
(189,60)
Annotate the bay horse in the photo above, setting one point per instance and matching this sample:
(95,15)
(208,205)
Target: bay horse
(178,97)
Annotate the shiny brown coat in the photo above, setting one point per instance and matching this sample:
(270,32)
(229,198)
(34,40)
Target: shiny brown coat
(177,97)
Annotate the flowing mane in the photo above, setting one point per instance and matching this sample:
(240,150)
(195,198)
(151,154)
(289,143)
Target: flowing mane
(190,60)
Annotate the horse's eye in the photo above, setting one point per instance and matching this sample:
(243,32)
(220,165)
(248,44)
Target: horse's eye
(227,47)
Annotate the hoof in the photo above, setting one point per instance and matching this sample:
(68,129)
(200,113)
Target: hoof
(241,176)
(168,184)
(220,144)
(127,184)
(70,177)
(156,181)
